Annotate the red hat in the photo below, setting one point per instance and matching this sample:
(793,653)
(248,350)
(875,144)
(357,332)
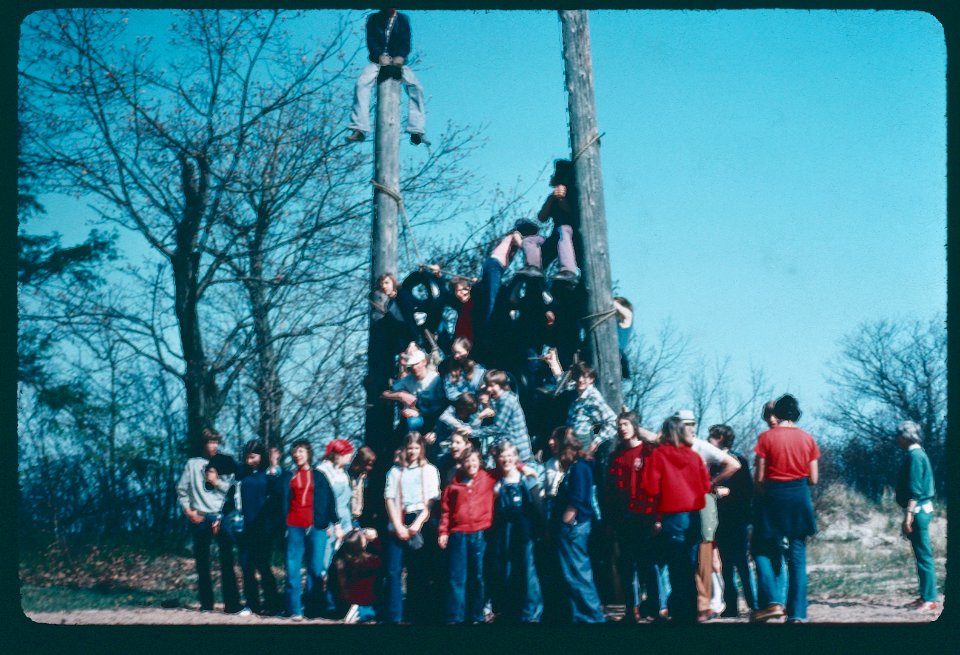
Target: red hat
(340,447)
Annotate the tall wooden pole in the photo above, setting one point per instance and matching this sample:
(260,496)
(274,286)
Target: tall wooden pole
(603,350)
(379,418)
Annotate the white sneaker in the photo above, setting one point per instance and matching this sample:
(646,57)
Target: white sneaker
(352,615)
(246,611)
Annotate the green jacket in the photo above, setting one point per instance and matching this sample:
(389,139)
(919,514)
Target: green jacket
(915,481)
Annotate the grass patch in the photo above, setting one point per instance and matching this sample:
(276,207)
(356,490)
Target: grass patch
(64,599)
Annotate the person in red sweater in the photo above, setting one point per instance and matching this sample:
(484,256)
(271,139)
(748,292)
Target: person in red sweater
(677,479)
(631,514)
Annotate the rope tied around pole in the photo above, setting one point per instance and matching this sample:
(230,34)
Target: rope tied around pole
(600,318)
(403,214)
(594,139)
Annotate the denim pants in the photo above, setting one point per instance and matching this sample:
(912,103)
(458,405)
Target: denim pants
(769,557)
(465,592)
(515,584)
(254,557)
(679,541)
(575,567)
(920,540)
(202,538)
(397,556)
(492,277)
(637,563)
(360,115)
(732,543)
(312,543)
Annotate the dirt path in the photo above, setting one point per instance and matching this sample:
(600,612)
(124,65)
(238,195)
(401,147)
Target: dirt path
(888,609)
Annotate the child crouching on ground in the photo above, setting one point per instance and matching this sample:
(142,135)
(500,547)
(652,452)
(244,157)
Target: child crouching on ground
(353,572)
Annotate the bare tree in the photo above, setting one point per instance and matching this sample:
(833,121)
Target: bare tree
(889,371)
(159,143)
(655,369)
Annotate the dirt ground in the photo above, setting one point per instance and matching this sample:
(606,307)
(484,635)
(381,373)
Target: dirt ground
(889,609)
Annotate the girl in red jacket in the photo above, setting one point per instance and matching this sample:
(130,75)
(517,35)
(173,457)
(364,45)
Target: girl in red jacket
(676,477)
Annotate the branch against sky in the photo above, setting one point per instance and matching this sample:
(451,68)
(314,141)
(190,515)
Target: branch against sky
(159,141)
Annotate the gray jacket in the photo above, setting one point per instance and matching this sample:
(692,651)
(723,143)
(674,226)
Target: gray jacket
(192,492)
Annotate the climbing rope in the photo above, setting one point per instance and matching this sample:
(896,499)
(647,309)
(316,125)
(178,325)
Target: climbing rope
(600,318)
(594,139)
(403,215)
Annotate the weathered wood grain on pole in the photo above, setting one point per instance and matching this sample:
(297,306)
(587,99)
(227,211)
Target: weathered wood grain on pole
(603,350)
(379,418)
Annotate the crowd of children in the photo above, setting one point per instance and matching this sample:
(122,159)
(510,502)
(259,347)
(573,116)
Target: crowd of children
(479,533)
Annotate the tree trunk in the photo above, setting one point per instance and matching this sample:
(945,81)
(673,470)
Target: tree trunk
(198,379)
(267,377)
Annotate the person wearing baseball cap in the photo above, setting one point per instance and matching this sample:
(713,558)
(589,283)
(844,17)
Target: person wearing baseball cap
(420,392)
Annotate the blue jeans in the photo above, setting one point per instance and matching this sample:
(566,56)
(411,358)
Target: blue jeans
(492,276)
(679,541)
(397,555)
(575,566)
(769,557)
(313,543)
(360,114)
(732,543)
(465,593)
(515,584)
(920,540)
(636,564)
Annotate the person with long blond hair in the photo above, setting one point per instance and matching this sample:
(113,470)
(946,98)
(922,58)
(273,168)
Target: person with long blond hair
(410,494)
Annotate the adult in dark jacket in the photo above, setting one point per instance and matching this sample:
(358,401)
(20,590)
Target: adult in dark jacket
(734,508)
(388,44)
(914,494)
(311,512)
(259,498)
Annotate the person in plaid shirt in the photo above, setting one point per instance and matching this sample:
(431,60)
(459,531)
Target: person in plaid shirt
(589,415)
(509,422)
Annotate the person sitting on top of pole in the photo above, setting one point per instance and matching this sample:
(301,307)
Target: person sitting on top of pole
(561,206)
(388,44)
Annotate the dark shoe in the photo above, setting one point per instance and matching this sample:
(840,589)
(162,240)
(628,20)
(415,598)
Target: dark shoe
(416,138)
(356,137)
(773,611)
(706,615)
(530,271)
(565,275)
(728,614)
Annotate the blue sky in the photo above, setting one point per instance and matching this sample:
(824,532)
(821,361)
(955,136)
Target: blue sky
(772,178)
